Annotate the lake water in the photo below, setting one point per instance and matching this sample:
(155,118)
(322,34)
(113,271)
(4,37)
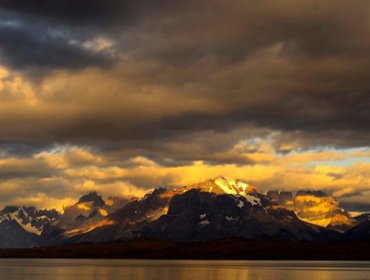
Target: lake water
(49,269)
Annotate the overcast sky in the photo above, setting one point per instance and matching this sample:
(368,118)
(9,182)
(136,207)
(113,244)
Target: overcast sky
(121,96)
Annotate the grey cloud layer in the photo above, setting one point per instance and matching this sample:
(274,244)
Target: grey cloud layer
(190,71)
(31,43)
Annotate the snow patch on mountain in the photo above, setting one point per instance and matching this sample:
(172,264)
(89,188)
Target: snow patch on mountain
(231,219)
(253,200)
(238,187)
(240,203)
(227,186)
(204,223)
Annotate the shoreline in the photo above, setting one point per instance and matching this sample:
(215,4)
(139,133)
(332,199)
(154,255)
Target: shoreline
(231,249)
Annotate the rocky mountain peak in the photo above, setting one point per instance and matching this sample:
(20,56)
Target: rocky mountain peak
(315,207)
(221,185)
(30,219)
(93,197)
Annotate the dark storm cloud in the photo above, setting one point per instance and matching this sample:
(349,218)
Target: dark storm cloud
(25,45)
(18,149)
(356,206)
(213,147)
(33,37)
(185,68)
(80,11)
(88,14)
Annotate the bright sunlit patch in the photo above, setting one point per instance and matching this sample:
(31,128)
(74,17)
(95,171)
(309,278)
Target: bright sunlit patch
(89,228)
(103,212)
(84,206)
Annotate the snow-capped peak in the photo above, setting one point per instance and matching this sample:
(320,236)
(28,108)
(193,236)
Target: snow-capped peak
(220,185)
(231,186)
(29,218)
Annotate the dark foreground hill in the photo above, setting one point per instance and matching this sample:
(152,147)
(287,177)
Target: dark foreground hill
(220,249)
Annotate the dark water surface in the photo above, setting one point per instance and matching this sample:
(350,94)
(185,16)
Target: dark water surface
(35,269)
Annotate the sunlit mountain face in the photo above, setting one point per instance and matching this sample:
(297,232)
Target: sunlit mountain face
(122,97)
(218,208)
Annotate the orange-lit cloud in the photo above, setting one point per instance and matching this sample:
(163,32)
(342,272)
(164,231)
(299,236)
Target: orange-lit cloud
(60,175)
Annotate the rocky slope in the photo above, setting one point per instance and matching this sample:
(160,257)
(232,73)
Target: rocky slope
(199,216)
(88,213)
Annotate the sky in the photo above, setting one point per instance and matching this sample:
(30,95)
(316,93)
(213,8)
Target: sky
(121,96)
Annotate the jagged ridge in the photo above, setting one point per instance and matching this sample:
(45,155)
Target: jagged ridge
(214,209)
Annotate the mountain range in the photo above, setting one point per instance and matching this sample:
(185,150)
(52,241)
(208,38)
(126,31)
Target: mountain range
(215,209)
